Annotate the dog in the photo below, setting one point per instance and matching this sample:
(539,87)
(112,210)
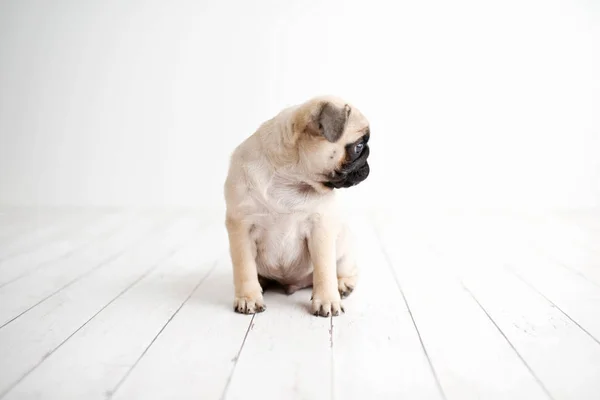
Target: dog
(282,220)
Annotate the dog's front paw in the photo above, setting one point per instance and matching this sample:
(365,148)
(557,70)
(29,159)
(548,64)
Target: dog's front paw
(249,302)
(324,304)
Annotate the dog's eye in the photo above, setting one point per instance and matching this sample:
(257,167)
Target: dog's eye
(359,148)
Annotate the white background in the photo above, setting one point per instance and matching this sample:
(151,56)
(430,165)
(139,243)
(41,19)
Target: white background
(472,104)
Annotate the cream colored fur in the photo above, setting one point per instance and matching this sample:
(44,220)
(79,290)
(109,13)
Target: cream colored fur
(283,223)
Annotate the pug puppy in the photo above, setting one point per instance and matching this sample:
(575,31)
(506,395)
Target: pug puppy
(282,219)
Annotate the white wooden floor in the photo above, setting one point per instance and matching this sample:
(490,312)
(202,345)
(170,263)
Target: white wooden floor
(123,305)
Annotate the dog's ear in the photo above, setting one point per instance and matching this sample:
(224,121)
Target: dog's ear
(331,121)
(321,117)
(325,119)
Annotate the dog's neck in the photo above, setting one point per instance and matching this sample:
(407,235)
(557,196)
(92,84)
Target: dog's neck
(278,141)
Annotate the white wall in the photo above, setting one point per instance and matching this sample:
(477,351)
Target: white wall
(472,103)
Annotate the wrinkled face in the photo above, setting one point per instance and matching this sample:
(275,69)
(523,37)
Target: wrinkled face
(353,168)
(335,142)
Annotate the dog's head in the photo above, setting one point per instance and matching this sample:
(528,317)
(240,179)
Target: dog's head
(332,140)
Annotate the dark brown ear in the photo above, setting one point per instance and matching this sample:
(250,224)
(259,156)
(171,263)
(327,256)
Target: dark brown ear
(332,120)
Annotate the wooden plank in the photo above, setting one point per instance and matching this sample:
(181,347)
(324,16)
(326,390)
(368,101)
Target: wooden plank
(471,358)
(15,223)
(45,228)
(26,221)
(194,355)
(24,225)
(563,357)
(22,295)
(291,347)
(61,248)
(578,232)
(25,343)
(572,294)
(377,351)
(560,246)
(92,362)
(542,314)
(588,220)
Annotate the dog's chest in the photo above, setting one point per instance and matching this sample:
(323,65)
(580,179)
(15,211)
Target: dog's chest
(281,246)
